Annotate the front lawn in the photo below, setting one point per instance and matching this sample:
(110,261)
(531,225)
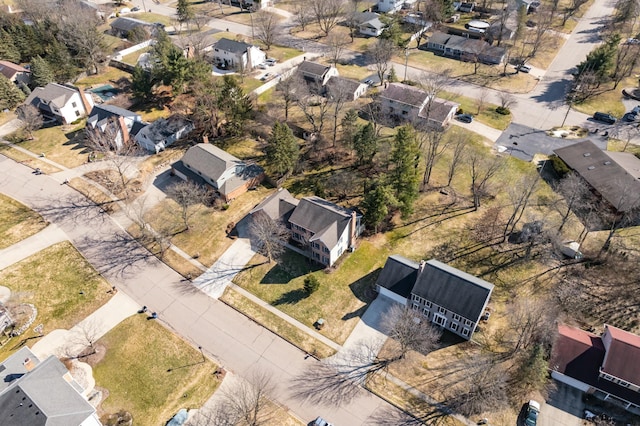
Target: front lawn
(488,114)
(26,159)
(343,295)
(109,75)
(135,371)
(17,222)
(62,144)
(60,283)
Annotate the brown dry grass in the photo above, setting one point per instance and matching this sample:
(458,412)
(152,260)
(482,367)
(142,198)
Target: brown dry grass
(27,159)
(17,222)
(94,194)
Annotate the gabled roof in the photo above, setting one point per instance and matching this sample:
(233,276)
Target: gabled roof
(398,275)
(439,110)
(453,289)
(53,93)
(9,69)
(278,206)
(232,45)
(314,68)
(623,355)
(45,394)
(210,160)
(405,94)
(620,188)
(163,128)
(363,17)
(104,112)
(439,38)
(327,221)
(128,24)
(577,353)
(342,85)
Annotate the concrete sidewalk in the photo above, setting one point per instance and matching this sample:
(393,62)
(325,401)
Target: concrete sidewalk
(49,236)
(72,342)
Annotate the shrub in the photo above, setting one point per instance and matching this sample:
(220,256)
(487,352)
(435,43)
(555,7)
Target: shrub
(311,284)
(503,110)
(559,166)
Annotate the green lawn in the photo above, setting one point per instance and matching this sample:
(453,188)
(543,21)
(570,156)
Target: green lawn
(343,295)
(152,18)
(488,114)
(61,284)
(27,159)
(135,367)
(17,222)
(107,76)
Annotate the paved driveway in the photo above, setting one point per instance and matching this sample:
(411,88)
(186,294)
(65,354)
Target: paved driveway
(563,408)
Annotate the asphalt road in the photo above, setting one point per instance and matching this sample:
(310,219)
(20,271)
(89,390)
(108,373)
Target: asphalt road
(230,338)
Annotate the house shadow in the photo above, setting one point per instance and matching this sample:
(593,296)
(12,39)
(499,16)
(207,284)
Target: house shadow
(164,180)
(364,290)
(76,141)
(291,265)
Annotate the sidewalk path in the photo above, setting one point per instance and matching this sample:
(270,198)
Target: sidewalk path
(72,342)
(482,129)
(49,236)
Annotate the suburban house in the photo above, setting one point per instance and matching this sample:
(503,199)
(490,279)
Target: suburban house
(197,44)
(64,103)
(445,296)
(237,54)
(114,121)
(121,26)
(14,72)
(605,366)
(324,230)
(350,89)
(35,392)
(163,132)
(392,6)
(315,73)
(465,49)
(408,103)
(614,176)
(230,176)
(368,23)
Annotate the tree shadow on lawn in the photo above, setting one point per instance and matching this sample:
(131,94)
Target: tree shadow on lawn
(291,265)
(76,139)
(291,297)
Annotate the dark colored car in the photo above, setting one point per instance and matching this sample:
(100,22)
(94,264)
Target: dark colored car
(465,118)
(630,117)
(604,117)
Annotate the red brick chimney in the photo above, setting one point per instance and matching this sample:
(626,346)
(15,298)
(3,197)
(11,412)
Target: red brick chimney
(85,102)
(28,364)
(123,129)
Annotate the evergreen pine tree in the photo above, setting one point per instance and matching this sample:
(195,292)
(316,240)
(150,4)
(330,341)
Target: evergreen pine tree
(404,179)
(10,95)
(365,143)
(141,83)
(377,201)
(41,73)
(8,50)
(282,149)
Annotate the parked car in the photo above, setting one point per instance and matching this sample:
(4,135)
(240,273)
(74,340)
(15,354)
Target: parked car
(604,117)
(368,82)
(533,409)
(524,68)
(271,61)
(262,66)
(135,9)
(636,110)
(465,118)
(630,116)
(266,77)
(321,422)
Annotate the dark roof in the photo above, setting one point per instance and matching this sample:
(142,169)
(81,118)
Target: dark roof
(54,93)
(439,38)
(398,275)
(278,206)
(9,69)
(314,68)
(128,24)
(453,289)
(327,221)
(209,160)
(45,395)
(342,85)
(405,94)
(623,355)
(603,173)
(105,112)
(137,126)
(232,45)
(439,110)
(577,353)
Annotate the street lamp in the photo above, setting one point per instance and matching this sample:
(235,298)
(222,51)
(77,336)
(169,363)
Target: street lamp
(406,62)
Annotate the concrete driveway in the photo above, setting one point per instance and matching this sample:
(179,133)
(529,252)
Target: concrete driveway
(564,407)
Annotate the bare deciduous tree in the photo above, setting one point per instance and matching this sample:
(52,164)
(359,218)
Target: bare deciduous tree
(266,28)
(302,13)
(457,155)
(31,118)
(507,100)
(338,95)
(381,52)
(432,145)
(247,401)
(575,193)
(270,235)
(187,195)
(327,14)
(482,169)
(409,331)
(79,31)
(337,43)
(519,195)
(313,105)
(531,322)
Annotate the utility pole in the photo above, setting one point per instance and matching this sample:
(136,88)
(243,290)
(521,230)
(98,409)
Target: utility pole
(406,62)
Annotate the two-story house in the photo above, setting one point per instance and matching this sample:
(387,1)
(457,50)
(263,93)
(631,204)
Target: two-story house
(408,103)
(323,229)
(119,123)
(163,132)
(437,292)
(228,175)
(605,366)
(237,55)
(392,6)
(64,103)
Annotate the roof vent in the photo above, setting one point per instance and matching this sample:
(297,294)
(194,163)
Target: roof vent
(591,167)
(606,163)
(587,154)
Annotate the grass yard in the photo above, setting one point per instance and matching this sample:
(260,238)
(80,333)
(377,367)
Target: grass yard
(60,283)
(135,367)
(276,324)
(152,18)
(488,114)
(343,295)
(17,222)
(609,101)
(27,159)
(94,194)
(5,117)
(109,75)
(132,58)
(62,144)
(206,236)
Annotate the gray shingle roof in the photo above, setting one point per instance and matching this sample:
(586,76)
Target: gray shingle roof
(232,45)
(439,38)
(209,160)
(54,93)
(128,24)
(9,69)
(439,110)
(405,94)
(278,206)
(104,112)
(398,275)
(327,221)
(603,173)
(340,85)
(365,16)
(453,289)
(314,68)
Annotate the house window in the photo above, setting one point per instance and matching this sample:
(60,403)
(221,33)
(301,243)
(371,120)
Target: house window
(74,105)
(442,310)
(414,297)
(415,306)
(326,250)
(427,304)
(425,312)
(325,260)
(467,323)
(296,236)
(316,255)
(77,113)
(441,321)
(465,331)
(454,326)
(456,317)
